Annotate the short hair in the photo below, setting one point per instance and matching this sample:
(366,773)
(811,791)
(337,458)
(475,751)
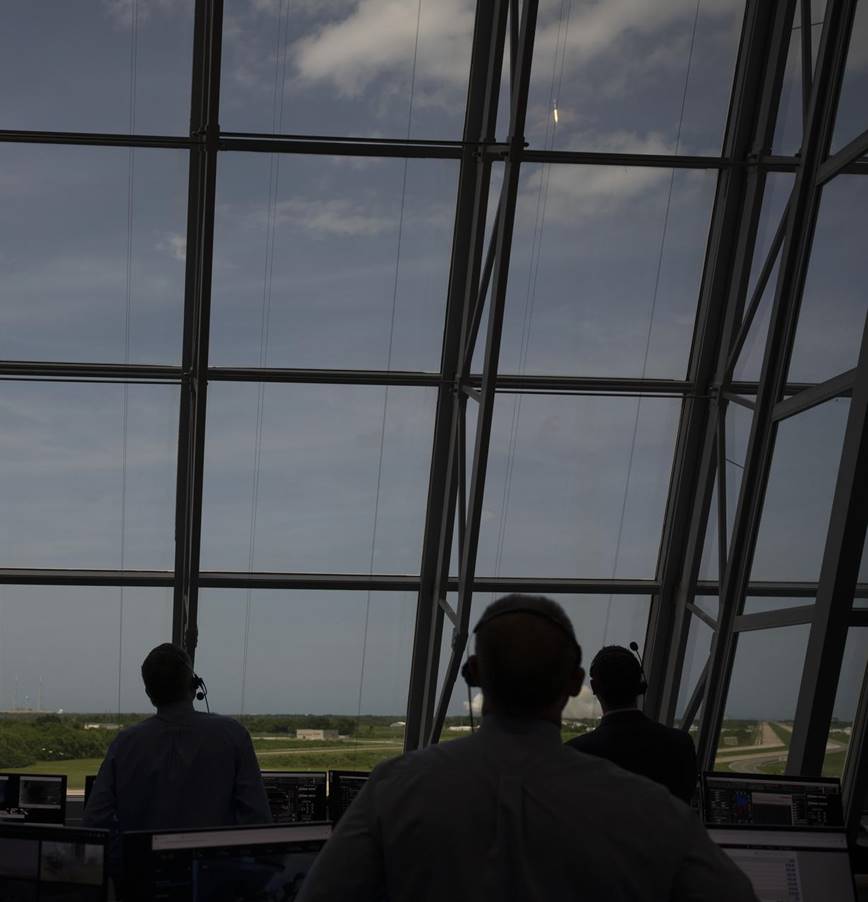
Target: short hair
(167,672)
(527,651)
(617,675)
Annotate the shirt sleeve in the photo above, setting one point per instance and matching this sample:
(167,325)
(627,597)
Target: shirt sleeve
(350,866)
(102,808)
(706,873)
(251,802)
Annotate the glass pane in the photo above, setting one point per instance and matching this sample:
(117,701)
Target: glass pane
(850,684)
(92,261)
(799,496)
(777,192)
(316,478)
(321,659)
(709,604)
(112,66)
(392,70)
(576,486)
(333,262)
(754,604)
(602,67)
(88,475)
(852,118)
(738,424)
(597,619)
(790,124)
(762,700)
(695,655)
(835,299)
(48,666)
(605,270)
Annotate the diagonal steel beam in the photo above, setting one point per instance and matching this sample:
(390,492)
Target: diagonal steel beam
(197,314)
(467,251)
(839,573)
(732,234)
(801,221)
(503,241)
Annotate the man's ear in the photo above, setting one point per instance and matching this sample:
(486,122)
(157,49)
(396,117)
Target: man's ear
(470,671)
(593,687)
(577,679)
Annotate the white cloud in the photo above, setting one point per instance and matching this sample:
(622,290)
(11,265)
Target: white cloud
(476,703)
(577,193)
(329,218)
(584,705)
(378,38)
(174,244)
(596,27)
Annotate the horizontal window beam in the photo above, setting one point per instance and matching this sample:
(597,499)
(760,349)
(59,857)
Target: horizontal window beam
(93,139)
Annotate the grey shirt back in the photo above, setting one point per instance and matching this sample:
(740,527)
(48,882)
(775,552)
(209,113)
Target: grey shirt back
(511,815)
(179,769)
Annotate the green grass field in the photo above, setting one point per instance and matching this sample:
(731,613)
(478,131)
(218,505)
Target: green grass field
(75,769)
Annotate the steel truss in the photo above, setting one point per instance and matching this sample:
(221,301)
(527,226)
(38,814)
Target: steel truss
(477,282)
(832,614)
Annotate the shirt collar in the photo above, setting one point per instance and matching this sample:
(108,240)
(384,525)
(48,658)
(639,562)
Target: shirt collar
(625,712)
(528,727)
(176,710)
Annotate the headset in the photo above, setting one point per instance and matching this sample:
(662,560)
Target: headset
(487,618)
(618,651)
(197,684)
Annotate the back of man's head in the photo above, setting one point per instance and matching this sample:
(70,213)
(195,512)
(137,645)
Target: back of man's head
(616,676)
(168,675)
(527,653)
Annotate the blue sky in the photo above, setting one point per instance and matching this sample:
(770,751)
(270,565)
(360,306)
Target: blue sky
(343,262)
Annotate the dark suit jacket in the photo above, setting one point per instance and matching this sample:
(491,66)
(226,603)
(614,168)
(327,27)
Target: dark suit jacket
(641,745)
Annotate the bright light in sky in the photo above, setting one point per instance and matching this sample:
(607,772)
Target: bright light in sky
(556,114)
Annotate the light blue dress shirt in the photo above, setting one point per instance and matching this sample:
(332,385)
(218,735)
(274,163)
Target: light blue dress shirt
(179,769)
(512,815)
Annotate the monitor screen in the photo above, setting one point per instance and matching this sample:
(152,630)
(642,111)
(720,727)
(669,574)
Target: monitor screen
(46,862)
(791,866)
(33,798)
(752,801)
(238,864)
(344,786)
(296,797)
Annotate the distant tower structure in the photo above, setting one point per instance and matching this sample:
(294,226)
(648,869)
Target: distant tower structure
(39,696)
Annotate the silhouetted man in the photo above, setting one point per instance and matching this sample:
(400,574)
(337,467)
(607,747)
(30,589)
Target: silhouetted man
(627,737)
(180,768)
(509,814)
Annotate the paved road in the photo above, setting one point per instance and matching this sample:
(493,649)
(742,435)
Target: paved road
(775,750)
(337,749)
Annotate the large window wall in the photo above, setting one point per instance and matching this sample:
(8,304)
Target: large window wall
(313,343)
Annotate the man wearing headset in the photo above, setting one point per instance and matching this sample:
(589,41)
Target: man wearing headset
(509,813)
(180,768)
(627,737)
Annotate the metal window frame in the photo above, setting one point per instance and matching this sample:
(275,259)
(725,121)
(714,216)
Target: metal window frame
(478,276)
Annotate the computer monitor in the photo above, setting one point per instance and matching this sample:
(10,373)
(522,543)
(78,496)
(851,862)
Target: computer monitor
(296,797)
(791,865)
(344,786)
(811,803)
(266,863)
(39,862)
(33,798)
(88,786)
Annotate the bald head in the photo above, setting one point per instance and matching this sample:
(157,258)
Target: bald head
(527,656)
